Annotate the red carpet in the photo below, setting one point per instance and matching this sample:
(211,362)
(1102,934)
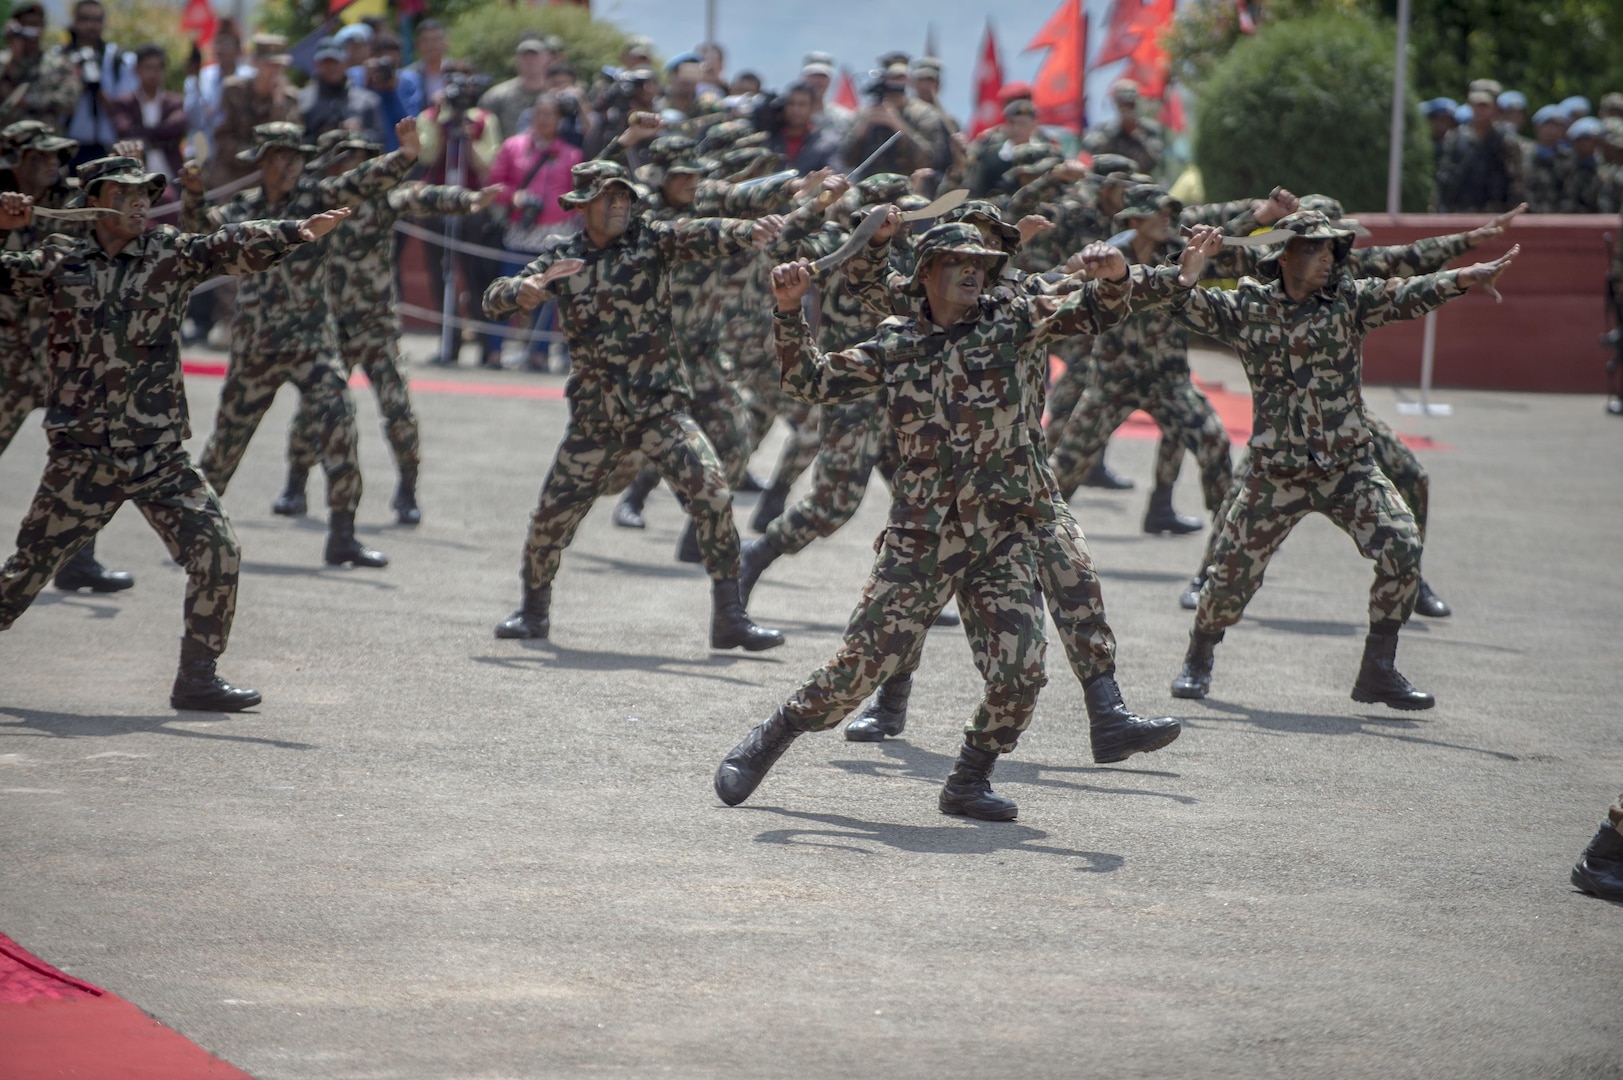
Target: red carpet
(216,369)
(54,1026)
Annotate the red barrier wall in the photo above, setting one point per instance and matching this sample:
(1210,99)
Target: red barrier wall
(1545,334)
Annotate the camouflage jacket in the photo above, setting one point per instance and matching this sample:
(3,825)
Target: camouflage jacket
(1146,146)
(1424,256)
(242,110)
(25,316)
(361,290)
(1581,193)
(1479,174)
(1545,171)
(959,399)
(841,318)
(53,88)
(1074,210)
(114,333)
(1304,361)
(286,311)
(616,314)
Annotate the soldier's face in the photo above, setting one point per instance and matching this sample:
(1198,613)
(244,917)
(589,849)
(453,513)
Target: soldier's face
(132,203)
(797,111)
(1157,228)
(608,215)
(957,279)
(280,170)
(1307,263)
(1020,128)
(680,189)
(37,170)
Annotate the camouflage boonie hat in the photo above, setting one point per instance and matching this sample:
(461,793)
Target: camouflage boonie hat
(1307,225)
(671,155)
(910,202)
(279,135)
(882,188)
(333,144)
(953,238)
(1035,157)
(1146,200)
(731,133)
(743,162)
(33,135)
(1331,208)
(592,178)
(116,170)
(1114,169)
(979,212)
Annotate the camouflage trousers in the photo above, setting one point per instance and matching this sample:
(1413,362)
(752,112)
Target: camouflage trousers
(1395,459)
(915,574)
(1178,408)
(1356,496)
(378,355)
(83,486)
(585,467)
(719,410)
(1077,353)
(24,382)
(250,386)
(854,436)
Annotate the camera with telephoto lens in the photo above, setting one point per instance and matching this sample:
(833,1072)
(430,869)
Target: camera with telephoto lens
(89,65)
(881,83)
(462,91)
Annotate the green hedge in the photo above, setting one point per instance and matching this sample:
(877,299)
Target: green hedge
(1307,103)
(486,34)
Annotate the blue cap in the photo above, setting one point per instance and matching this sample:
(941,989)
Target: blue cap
(1586,127)
(353,32)
(1463,114)
(682,58)
(1513,99)
(1550,114)
(1576,105)
(1438,105)
(329,49)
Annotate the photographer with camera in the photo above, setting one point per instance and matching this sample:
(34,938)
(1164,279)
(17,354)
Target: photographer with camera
(890,112)
(631,90)
(459,144)
(787,120)
(50,86)
(383,79)
(105,72)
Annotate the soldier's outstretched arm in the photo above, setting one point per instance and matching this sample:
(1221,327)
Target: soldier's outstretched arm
(1397,299)
(807,373)
(374,176)
(20,271)
(530,287)
(1428,255)
(248,247)
(1102,302)
(713,238)
(442,199)
(869,276)
(1176,289)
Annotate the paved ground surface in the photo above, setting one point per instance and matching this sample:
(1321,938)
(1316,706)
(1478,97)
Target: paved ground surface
(434,854)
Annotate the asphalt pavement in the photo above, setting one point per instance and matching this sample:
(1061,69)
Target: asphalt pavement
(431,853)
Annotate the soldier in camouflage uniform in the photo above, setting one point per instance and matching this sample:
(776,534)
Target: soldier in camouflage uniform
(32,161)
(627,393)
(967,503)
(1299,332)
(35,83)
(1396,460)
(1064,565)
(1547,161)
(1599,871)
(364,296)
(284,331)
(1479,167)
(1130,135)
(116,416)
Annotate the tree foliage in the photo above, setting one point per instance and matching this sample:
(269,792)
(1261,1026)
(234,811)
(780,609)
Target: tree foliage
(484,34)
(1307,103)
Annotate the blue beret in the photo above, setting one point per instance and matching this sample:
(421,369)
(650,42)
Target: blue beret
(1575,105)
(1438,105)
(1586,126)
(1463,114)
(1550,114)
(1513,99)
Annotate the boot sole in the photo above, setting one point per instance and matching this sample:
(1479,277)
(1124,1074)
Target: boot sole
(864,736)
(748,647)
(1403,706)
(95,587)
(1189,694)
(1166,739)
(1175,530)
(510,635)
(191,706)
(285,511)
(1002,815)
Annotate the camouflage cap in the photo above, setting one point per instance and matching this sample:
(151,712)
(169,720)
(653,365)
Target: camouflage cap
(592,178)
(32,135)
(730,133)
(1146,200)
(670,155)
(1331,208)
(1113,169)
(1034,157)
(952,238)
(278,135)
(1484,92)
(116,170)
(753,160)
(1307,225)
(910,202)
(331,145)
(985,216)
(882,188)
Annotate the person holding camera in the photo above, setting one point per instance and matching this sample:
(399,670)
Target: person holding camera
(105,71)
(47,81)
(382,77)
(890,113)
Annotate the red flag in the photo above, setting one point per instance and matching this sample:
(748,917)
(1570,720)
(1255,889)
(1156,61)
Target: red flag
(1135,36)
(988,81)
(846,95)
(1058,89)
(198,20)
(1173,117)
(1248,25)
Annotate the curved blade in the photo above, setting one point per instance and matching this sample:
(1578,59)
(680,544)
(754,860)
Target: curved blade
(950,201)
(858,240)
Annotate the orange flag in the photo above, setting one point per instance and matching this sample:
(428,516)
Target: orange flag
(988,81)
(198,20)
(1058,89)
(846,95)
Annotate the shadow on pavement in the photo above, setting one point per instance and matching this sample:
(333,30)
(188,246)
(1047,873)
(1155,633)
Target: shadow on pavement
(546,654)
(1307,724)
(1312,627)
(76,726)
(903,759)
(964,837)
(672,569)
(54,598)
(326,573)
(1161,577)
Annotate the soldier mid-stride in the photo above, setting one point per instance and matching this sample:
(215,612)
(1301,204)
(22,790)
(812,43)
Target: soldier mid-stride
(1299,334)
(116,414)
(968,501)
(284,331)
(627,392)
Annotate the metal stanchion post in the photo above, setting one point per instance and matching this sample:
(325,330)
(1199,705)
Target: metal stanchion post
(456,172)
(1428,358)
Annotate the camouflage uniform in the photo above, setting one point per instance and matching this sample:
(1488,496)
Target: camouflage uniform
(1479,173)
(627,394)
(242,109)
(968,501)
(284,332)
(1546,170)
(1146,146)
(116,415)
(53,88)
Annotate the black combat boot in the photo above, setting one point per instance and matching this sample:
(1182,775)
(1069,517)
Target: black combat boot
(753,557)
(948,616)
(1189,599)
(291,502)
(198,687)
(404,503)
(84,572)
(885,714)
(1196,677)
(342,547)
(1430,604)
(769,506)
(968,791)
(628,511)
(746,764)
(750,486)
(533,620)
(1600,868)
(1162,518)
(1118,734)
(1103,476)
(730,625)
(687,548)
(1379,681)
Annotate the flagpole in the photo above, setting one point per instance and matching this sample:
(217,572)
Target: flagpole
(710,22)
(1082,72)
(1394,160)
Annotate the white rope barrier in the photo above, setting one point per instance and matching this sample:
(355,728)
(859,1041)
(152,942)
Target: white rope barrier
(429,236)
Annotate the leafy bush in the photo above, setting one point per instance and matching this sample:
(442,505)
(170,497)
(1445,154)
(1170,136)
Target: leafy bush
(133,23)
(485,35)
(1308,103)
